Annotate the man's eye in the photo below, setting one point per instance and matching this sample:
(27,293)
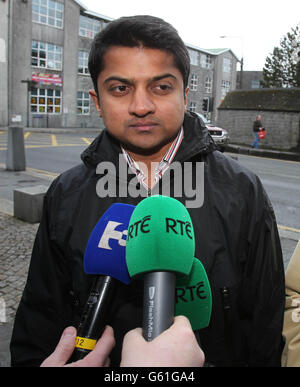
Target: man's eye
(163,88)
(121,89)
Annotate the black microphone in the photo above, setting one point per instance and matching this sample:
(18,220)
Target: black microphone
(105,257)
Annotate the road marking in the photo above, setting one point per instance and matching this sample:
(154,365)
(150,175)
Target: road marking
(45,146)
(53,140)
(27,134)
(87,141)
(43,172)
(289,228)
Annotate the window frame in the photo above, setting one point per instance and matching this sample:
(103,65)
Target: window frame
(194,82)
(208,85)
(89,30)
(46,11)
(83,98)
(83,60)
(225,88)
(43,47)
(50,97)
(227,65)
(193,106)
(194,57)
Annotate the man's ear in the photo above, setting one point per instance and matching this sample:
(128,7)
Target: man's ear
(185,98)
(95,98)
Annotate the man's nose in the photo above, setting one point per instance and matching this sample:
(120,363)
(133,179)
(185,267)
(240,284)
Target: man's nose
(141,103)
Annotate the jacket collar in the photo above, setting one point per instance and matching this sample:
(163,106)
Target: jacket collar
(196,141)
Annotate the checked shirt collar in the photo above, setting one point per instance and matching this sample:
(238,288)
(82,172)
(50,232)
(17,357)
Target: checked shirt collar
(162,166)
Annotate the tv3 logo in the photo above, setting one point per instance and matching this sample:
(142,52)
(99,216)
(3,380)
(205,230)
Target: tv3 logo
(110,232)
(296,312)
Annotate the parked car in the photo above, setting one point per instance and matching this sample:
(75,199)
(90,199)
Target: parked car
(220,135)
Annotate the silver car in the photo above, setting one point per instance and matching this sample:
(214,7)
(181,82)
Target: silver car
(220,136)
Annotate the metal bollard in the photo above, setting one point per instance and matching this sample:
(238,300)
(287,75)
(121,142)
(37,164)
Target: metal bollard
(15,156)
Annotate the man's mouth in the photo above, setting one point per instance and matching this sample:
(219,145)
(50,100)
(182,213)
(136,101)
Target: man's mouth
(143,126)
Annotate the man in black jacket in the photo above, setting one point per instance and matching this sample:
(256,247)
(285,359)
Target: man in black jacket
(140,68)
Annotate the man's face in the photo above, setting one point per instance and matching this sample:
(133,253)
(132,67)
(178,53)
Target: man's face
(141,97)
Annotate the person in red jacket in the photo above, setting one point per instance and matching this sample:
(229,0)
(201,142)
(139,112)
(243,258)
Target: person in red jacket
(256,127)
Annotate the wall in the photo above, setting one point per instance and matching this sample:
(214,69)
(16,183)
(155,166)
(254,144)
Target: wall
(248,77)
(283,128)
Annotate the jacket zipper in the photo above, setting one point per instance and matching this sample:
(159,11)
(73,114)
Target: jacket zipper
(228,329)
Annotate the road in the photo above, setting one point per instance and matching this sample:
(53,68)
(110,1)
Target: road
(57,153)
(281,180)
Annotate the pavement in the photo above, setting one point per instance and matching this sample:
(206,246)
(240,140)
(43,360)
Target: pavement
(17,238)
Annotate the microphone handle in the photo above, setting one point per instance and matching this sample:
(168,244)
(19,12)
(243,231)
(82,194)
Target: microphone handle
(93,320)
(159,301)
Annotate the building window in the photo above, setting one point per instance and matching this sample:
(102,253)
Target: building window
(83,103)
(206,61)
(46,55)
(194,82)
(48,12)
(226,65)
(225,88)
(208,85)
(45,101)
(83,57)
(88,27)
(193,57)
(192,107)
(255,84)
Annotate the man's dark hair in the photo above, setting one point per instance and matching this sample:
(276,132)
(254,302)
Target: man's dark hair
(139,31)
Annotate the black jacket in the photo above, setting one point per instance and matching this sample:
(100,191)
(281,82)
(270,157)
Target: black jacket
(236,240)
(256,125)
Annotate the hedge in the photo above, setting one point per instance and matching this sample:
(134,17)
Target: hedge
(263,99)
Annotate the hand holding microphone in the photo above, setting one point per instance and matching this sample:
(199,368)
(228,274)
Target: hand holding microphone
(175,347)
(99,357)
(136,351)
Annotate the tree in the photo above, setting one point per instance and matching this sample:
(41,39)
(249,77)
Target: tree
(282,67)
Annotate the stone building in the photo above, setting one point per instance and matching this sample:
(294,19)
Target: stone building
(251,80)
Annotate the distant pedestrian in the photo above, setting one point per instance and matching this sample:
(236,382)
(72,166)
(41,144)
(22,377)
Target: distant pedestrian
(256,126)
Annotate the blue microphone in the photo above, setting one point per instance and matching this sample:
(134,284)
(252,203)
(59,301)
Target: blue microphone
(105,257)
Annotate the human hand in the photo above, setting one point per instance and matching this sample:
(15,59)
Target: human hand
(175,347)
(96,358)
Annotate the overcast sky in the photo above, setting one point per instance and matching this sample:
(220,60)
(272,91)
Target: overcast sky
(255,27)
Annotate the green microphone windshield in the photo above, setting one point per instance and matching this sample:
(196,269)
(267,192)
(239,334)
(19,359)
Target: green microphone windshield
(160,237)
(193,297)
